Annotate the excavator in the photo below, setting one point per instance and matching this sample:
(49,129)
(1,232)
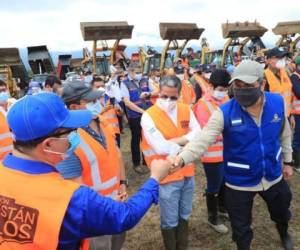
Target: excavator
(100,32)
(243,41)
(173,33)
(289,35)
(13,71)
(40,62)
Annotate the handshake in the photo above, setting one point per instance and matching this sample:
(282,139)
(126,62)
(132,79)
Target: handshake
(162,168)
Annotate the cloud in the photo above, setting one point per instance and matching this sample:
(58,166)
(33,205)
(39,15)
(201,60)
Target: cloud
(56,22)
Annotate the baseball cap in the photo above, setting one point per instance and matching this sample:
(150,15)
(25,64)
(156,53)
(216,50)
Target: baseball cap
(76,90)
(220,77)
(36,116)
(247,71)
(276,52)
(207,68)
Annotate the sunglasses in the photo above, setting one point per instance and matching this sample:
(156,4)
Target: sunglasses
(172,98)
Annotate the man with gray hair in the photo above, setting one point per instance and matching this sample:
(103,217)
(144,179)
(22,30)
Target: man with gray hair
(257,138)
(167,126)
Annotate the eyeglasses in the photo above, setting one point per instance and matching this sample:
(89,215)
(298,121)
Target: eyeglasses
(172,98)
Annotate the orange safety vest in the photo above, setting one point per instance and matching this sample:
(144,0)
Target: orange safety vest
(6,142)
(203,110)
(32,209)
(112,118)
(100,166)
(188,95)
(169,130)
(296,101)
(282,87)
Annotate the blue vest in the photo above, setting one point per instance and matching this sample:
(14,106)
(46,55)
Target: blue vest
(134,94)
(252,152)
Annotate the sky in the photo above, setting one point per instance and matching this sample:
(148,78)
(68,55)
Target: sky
(56,23)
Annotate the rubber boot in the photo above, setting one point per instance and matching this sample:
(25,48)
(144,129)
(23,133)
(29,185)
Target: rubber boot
(212,211)
(182,235)
(222,207)
(296,160)
(169,238)
(285,237)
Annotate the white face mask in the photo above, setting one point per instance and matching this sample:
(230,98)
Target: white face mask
(166,105)
(94,107)
(281,64)
(207,75)
(219,95)
(181,77)
(157,78)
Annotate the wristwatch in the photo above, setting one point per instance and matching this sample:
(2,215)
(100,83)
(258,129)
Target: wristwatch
(124,182)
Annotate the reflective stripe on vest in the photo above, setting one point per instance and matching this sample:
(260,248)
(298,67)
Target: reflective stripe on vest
(6,141)
(101,167)
(214,153)
(169,130)
(282,86)
(32,209)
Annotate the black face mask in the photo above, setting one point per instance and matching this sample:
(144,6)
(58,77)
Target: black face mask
(246,97)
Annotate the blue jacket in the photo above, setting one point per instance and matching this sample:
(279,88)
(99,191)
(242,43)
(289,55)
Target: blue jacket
(90,214)
(134,93)
(250,151)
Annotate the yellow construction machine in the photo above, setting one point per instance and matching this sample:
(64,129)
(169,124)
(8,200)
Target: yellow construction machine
(289,35)
(101,32)
(13,71)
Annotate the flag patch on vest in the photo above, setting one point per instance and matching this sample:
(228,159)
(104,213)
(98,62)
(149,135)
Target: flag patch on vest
(17,222)
(236,122)
(185,124)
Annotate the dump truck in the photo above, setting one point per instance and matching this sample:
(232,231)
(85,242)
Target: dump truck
(101,32)
(289,35)
(13,71)
(63,66)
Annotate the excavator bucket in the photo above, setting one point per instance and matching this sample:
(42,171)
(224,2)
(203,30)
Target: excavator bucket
(287,28)
(246,29)
(180,31)
(10,57)
(94,31)
(40,60)
(63,65)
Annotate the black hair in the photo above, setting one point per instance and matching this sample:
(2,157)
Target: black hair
(51,80)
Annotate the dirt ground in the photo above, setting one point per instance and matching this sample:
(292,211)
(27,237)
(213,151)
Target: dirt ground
(146,235)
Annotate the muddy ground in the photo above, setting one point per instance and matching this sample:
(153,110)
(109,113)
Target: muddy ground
(146,235)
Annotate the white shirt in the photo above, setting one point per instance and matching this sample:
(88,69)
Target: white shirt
(157,141)
(114,90)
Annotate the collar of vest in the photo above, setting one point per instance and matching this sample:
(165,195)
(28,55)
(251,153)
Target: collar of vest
(27,166)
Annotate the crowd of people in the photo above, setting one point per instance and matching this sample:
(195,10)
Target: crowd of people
(63,178)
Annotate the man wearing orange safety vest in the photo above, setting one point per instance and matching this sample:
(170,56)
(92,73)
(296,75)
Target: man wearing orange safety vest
(212,159)
(277,78)
(97,161)
(5,135)
(167,126)
(41,210)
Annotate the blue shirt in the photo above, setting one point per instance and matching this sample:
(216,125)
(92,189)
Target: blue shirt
(89,214)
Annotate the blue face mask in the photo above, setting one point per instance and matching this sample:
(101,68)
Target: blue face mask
(94,107)
(4,96)
(74,141)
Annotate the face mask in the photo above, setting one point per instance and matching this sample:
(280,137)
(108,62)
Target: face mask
(207,75)
(94,107)
(248,96)
(74,140)
(280,64)
(263,65)
(4,96)
(219,95)
(157,78)
(166,105)
(181,77)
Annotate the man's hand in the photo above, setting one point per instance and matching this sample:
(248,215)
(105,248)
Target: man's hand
(160,169)
(144,95)
(176,163)
(122,193)
(292,122)
(287,172)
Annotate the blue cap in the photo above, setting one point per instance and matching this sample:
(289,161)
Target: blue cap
(36,116)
